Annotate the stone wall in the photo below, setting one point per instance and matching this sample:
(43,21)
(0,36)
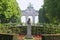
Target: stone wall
(6,37)
(51,37)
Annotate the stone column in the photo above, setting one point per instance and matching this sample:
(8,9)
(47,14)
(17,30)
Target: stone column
(29,36)
(33,19)
(28,29)
(26,19)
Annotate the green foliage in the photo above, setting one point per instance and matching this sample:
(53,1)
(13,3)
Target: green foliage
(8,8)
(42,16)
(52,10)
(45,29)
(7,28)
(2,18)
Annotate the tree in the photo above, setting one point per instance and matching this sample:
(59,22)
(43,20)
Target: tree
(42,15)
(13,19)
(52,10)
(9,8)
(2,18)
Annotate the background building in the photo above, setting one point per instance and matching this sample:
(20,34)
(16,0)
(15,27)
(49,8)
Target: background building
(31,13)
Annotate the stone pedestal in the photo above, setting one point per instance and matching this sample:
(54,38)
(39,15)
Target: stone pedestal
(29,36)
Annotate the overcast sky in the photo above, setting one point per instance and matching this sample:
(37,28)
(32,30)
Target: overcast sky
(24,3)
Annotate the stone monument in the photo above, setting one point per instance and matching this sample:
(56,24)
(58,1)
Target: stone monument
(31,13)
(29,36)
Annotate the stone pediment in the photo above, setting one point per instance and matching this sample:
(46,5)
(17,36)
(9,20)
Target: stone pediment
(30,11)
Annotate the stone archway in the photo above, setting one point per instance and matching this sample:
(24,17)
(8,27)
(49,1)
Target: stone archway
(30,12)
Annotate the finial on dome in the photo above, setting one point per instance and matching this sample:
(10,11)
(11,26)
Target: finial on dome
(30,5)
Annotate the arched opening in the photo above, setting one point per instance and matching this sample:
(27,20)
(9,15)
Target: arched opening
(23,19)
(30,18)
(36,19)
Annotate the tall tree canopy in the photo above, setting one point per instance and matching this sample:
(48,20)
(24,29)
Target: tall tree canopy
(8,8)
(52,9)
(42,15)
